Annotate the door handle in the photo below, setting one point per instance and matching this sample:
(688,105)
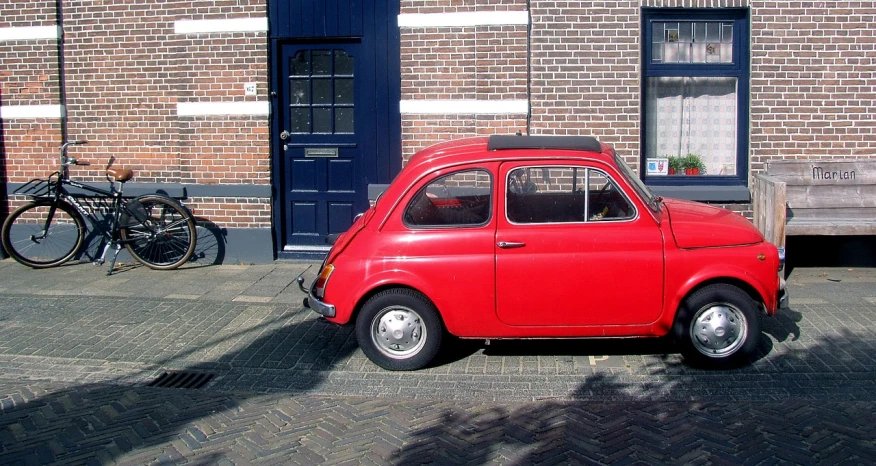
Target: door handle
(510,244)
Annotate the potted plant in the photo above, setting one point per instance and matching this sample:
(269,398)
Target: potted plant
(676,167)
(693,165)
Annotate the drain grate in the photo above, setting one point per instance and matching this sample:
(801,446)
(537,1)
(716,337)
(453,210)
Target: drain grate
(193,380)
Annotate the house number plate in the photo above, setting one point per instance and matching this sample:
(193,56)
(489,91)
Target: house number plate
(320,151)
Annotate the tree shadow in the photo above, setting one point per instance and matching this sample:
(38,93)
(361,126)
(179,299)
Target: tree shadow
(677,419)
(101,422)
(665,416)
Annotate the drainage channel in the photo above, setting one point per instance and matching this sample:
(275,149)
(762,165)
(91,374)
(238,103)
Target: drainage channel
(182,379)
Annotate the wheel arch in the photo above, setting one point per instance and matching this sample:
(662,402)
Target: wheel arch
(748,288)
(357,307)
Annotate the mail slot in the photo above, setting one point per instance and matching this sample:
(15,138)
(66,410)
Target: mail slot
(320,151)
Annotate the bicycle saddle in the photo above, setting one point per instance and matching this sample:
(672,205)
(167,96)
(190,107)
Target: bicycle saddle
(120,174)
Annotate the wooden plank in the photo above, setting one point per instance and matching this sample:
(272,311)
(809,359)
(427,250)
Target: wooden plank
(826,196)
(768,202)
(852,213)
(824,172)
(829,227)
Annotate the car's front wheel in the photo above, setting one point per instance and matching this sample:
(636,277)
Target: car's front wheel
(718,325)
(399,329)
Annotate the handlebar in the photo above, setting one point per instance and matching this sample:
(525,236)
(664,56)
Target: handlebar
(65,162)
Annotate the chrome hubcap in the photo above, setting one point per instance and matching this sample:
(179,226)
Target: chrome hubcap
(398,332)
(718,330)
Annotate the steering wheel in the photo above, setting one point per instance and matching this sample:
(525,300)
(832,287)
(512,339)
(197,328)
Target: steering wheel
(602,192)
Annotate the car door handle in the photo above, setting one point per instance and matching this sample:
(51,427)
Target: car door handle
(510,244)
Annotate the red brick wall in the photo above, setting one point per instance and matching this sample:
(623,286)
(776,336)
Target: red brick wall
(28,75)
(126,71)
(812,89)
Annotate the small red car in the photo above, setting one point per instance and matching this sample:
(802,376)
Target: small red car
(512,237)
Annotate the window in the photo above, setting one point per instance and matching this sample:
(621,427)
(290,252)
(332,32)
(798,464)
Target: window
(695,96)
(461,199)
(564,195)
(321,85)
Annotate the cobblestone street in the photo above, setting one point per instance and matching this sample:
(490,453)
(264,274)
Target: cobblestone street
(79,349)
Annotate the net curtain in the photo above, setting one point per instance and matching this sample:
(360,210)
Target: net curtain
(686,115)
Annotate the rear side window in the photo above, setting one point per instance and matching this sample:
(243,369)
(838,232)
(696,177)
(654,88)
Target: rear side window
(565,195)
(457,200)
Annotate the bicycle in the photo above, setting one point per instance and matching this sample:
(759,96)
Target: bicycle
(49,230)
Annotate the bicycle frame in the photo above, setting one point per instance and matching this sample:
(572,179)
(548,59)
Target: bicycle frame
(62,194)
(158,230)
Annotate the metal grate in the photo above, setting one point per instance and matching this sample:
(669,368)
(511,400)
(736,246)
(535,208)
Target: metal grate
(192,380)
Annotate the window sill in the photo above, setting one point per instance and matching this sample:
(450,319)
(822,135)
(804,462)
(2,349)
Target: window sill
(728,194)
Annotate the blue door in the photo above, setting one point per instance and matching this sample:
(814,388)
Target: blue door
(322,112)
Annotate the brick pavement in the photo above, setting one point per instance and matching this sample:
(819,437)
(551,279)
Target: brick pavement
(77,349)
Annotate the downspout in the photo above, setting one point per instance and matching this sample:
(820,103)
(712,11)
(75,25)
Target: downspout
(62,86)
(528,66)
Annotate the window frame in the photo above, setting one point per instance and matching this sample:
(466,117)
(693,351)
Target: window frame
(739,69)
(427,184)
(575,168)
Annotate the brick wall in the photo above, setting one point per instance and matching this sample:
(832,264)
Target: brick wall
(475,63)
(585,70)
(127,70)
(813,93)
(574,65)
(812,68)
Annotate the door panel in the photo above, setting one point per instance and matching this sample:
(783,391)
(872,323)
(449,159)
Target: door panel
(572,258)
(319,139)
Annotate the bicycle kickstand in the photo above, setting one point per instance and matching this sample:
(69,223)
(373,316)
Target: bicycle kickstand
(116,248)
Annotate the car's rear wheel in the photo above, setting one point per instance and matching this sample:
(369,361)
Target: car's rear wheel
(399,329)
(718,325)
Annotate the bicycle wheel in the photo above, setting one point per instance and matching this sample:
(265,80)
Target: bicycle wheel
(165,238)
(29,240)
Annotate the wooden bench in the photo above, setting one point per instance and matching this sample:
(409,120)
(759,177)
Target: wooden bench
(815,198)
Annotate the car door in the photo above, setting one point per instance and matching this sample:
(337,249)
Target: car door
(574,249)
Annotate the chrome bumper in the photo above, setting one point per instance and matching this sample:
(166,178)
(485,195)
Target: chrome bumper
(311,302)
(784,298)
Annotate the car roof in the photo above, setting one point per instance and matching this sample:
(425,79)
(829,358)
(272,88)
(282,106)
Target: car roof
(505,147)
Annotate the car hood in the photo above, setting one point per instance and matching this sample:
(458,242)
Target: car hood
(697,225)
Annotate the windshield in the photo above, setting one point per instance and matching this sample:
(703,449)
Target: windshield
(643,190)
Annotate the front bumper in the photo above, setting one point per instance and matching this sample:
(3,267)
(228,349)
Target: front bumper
(784,297)
(311,302)
(784,300)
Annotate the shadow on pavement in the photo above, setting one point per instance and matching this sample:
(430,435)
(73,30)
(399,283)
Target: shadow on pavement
(98,423)
(611,421)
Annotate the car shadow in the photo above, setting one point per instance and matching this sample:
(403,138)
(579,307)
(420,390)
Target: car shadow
(107,422)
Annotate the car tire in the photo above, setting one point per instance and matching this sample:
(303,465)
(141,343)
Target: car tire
(399,330)
(717,326)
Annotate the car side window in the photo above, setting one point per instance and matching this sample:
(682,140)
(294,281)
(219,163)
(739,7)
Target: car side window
(459,199)
(564,195)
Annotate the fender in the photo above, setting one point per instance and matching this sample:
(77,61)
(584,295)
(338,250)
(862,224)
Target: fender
(348,301)
(716,273)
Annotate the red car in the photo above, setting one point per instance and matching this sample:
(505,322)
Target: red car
(512,237)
